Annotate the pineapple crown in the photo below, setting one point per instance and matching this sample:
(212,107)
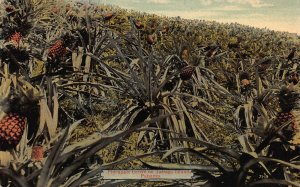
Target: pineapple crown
(21,104)
(67,38)
(79,37)
(288,99)
(19,54)
(19,97)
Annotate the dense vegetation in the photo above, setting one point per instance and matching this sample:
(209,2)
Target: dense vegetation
(86,88)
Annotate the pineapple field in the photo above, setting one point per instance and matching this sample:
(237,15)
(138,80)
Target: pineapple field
(86,88)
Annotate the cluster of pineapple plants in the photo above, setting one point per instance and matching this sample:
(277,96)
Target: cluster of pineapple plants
(90,87)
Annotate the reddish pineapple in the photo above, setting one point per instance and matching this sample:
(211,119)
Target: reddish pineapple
(37,154)
(58,50)
(16,38)
(12,127)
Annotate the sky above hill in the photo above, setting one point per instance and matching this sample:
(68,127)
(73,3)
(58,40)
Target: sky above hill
(281,15)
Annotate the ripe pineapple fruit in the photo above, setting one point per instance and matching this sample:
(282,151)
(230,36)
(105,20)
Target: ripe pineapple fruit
(57,50)
(287,101)
(16,38)
(37,153)
(151,39)
(12,128)
(245,83)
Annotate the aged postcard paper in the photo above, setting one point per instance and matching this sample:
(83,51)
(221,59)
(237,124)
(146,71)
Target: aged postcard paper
(149,93)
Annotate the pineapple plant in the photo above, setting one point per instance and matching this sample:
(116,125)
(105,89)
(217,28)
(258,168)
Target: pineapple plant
(18,107)
(287,102)
(16,25)
(18,22)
